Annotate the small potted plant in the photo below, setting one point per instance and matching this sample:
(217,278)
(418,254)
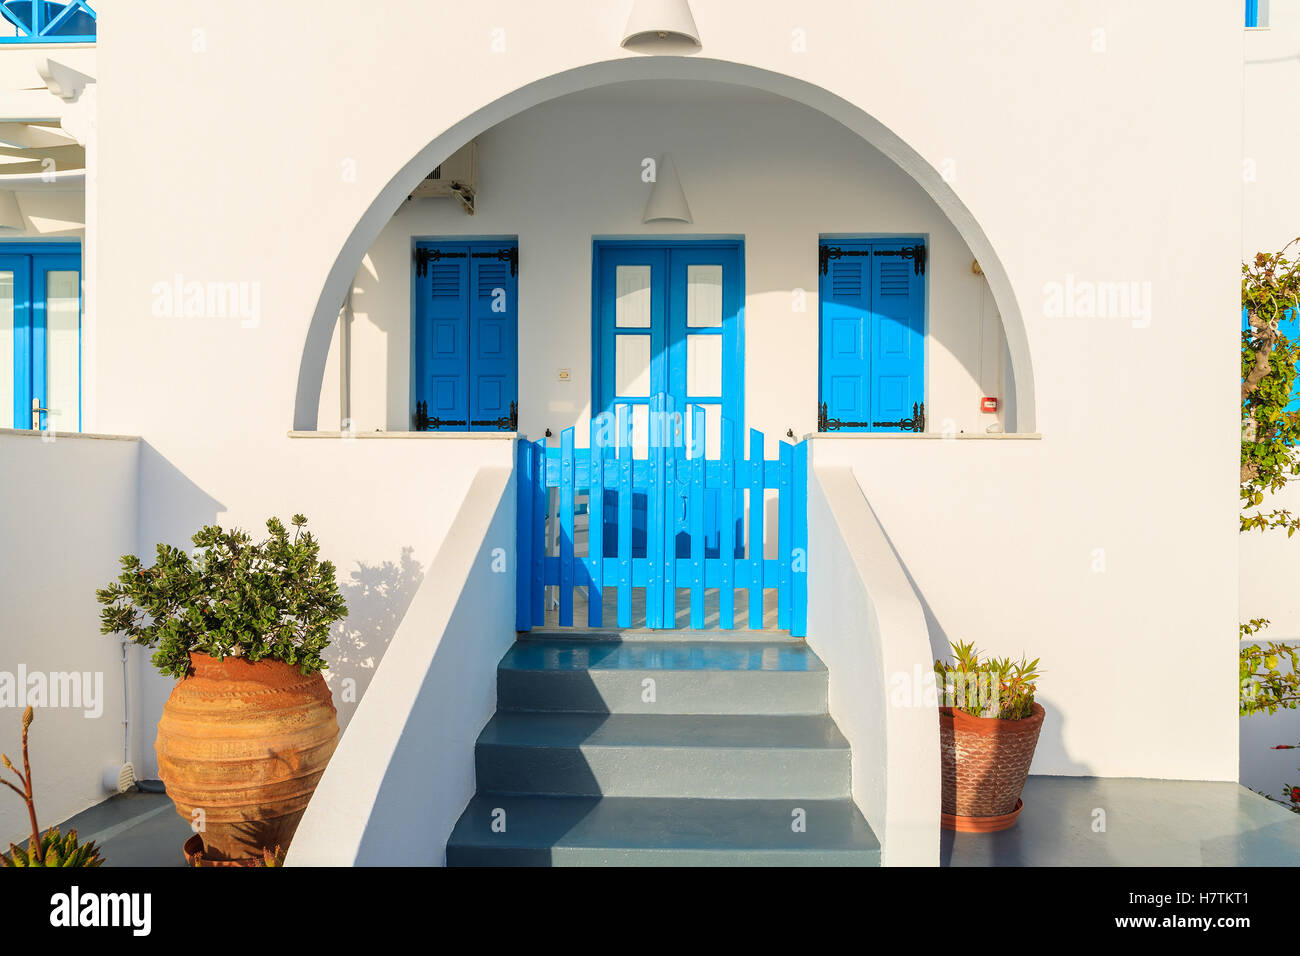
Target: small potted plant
(988,729)
(51,848)
(248,728)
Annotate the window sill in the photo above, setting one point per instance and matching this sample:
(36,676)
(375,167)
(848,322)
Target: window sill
(61,436)
(925,436)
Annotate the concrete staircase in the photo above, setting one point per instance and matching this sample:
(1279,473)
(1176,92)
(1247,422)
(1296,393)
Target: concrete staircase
(642,749)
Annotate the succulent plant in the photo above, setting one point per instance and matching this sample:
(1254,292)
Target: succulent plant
(56,849)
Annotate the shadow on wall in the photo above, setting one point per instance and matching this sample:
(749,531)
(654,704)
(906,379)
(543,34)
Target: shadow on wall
(172,508)
(378,597)
(1051,742)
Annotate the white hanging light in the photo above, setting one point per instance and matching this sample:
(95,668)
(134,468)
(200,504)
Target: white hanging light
(667,200)
(661,26)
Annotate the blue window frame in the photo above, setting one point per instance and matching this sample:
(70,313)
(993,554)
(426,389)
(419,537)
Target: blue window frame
(48,21)
(1256,13)
(872,333)
(40,335)
(466,335)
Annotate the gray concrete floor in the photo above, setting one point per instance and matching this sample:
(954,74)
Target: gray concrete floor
(134,829)
(1146,823)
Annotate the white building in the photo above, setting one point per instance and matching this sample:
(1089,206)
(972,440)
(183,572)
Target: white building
(1024,224)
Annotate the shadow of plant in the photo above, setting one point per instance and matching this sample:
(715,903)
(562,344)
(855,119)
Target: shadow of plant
(377,597)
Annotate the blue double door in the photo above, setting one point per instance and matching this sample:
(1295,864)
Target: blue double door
(669,333)
(40,336)
(872,303)
(466,335)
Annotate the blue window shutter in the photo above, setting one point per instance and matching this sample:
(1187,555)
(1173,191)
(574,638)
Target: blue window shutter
(1252,13)
(493,337)
(845,294)
(897,337)
(443,367)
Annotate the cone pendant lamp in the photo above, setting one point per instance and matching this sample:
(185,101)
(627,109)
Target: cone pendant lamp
(661,26)
(667,200)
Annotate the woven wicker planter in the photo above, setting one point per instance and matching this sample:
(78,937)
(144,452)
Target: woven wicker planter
(985,761)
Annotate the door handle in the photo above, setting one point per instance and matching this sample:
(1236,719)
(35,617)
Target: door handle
(36,414)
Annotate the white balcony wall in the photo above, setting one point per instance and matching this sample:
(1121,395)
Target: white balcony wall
(70,513)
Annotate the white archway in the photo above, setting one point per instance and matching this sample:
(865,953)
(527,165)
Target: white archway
(311,368)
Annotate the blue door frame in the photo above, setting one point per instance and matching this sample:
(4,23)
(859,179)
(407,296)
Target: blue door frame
(30,263)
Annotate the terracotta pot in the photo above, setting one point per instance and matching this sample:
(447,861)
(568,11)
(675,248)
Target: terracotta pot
(985,761)
(246,744)
(196,854)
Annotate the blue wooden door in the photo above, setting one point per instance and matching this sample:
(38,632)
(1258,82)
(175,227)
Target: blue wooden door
(40,336)
(466,336)
(668,319)
(872,301)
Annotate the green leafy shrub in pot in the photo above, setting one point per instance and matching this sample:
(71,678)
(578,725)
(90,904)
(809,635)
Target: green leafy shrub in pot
(231,597)
(993,687)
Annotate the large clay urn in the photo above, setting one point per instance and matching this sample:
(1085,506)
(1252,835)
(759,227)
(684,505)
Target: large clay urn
(246,744)
(984,762)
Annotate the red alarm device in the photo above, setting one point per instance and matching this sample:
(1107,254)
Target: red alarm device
(988,404)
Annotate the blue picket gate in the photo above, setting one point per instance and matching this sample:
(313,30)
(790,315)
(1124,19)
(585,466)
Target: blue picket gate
(672,519)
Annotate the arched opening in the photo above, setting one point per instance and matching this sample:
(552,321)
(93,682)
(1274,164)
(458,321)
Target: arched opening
(1019,414)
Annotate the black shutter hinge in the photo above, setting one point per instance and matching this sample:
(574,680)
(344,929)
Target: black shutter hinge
(510,255)
(914,424)
(423,423)
(423,256)
(506,423)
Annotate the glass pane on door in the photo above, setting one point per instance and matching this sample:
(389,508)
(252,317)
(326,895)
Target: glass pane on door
(63,348)
(632,297)
(7,350)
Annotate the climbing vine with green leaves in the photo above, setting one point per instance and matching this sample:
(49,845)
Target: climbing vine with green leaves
(1270,287)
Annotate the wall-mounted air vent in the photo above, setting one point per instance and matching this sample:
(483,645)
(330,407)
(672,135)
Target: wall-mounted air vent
(456,177)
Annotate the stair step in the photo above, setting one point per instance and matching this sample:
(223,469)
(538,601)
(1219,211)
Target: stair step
(659,636)
(689,677)
(654,831)
(705,756)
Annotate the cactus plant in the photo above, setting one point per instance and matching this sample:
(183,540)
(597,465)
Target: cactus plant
(54,848)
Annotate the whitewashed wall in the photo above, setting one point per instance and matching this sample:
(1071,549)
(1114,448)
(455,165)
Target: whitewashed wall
(1011,545)
(380,506)
(754,165)
(1071,143)
(70,514)
(1270,563)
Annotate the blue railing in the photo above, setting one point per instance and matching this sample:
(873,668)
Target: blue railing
(674,519)
(47,21)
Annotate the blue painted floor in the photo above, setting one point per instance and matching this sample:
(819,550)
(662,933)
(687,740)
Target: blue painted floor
(1147,823)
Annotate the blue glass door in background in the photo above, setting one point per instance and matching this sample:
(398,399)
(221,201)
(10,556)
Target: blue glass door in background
(669,321)
(40,336)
